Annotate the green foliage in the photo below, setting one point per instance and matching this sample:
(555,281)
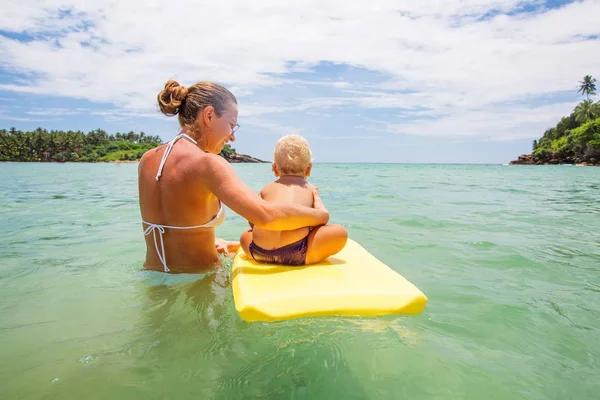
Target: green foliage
(561,146)
(582,142)
(61,146)
(586,111)
(587,137)
(227,151)
(565,125)
(576,136)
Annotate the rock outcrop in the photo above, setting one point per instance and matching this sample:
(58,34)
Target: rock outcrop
(243,158)
(554,159)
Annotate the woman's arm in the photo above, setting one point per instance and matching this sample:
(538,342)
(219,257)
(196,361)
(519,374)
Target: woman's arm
(222,180)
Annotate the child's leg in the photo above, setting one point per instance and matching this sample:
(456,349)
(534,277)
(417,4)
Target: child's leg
(325,241)
(245,241)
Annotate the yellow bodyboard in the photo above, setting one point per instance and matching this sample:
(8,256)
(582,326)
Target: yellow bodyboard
(352,283)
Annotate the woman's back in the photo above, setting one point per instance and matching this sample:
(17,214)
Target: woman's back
(179,204)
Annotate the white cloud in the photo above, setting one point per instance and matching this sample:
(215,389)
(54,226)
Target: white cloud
(455,65)
(7,116)
(346,137)
(55,111)
(495,123)
(271,127)
(110,114)
(301,105)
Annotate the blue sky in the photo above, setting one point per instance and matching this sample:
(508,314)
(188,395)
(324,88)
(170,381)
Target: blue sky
(459,81)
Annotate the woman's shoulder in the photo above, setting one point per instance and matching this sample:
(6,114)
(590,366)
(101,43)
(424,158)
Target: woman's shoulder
(147,157)
(153,152)
(210,168)
(213,162)
(186,161)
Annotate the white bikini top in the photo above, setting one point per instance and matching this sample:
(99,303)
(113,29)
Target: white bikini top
(152,228)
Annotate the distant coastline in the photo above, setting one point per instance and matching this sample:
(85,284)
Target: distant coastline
(243,158)
(42,145)
(531,159)
(575,139)
(233,158)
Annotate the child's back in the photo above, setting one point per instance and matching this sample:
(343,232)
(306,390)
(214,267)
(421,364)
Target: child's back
(287,189)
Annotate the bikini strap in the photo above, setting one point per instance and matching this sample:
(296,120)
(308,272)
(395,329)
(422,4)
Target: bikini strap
(168,150)
(160,250)
(152,228)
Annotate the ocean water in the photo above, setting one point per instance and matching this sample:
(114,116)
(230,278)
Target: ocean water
(509,258)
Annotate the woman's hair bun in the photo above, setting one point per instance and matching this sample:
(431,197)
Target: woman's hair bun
(171,98)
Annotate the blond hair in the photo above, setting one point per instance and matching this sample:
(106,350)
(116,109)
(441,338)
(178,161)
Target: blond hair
(292,155)
(176,99)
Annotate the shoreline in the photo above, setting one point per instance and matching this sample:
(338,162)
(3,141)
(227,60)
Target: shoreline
(530,159)
(323,162)
(236,159)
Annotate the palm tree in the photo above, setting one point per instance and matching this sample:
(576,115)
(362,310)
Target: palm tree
(587,86)
(585,111)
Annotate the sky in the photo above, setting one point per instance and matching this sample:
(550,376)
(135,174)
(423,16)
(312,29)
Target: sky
(453,81)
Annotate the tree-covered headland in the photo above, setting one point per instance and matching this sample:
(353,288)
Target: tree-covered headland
(42,145)
(576,138)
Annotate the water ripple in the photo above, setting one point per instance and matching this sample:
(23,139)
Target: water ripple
(508,257)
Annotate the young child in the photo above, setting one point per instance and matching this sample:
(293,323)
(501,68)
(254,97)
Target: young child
(292,165)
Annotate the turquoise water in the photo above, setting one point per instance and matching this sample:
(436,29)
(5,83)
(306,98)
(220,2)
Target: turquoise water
(509,258)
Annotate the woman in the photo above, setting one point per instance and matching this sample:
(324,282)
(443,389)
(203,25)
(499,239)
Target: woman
(184,184)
